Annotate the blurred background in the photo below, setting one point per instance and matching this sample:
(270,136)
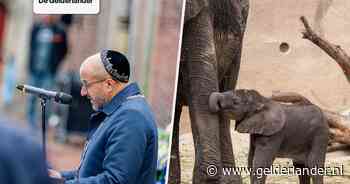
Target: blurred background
(146,31)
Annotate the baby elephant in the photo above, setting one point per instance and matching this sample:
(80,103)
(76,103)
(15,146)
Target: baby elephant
(299,132)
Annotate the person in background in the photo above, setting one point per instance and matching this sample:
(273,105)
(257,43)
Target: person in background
(48,47)
(21,159)
(122,144)
(9,80)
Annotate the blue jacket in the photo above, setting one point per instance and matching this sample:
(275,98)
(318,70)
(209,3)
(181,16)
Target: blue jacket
(122,146)
(21,159)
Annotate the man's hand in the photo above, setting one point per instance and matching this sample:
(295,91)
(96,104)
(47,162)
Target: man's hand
(55,174)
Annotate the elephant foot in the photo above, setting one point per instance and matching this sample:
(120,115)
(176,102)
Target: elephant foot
(232,179)
(199,178)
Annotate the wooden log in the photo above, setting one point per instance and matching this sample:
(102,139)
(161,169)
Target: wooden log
(290,97)
(337,147)
(336,120)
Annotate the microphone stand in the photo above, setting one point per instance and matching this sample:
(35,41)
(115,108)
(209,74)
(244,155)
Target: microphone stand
(43,101)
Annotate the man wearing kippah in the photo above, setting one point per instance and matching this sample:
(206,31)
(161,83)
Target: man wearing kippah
(122,144)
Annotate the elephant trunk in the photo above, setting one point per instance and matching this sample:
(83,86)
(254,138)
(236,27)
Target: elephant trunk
(214,101)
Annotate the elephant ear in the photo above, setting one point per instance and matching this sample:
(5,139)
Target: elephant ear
(193,7)
(266,122)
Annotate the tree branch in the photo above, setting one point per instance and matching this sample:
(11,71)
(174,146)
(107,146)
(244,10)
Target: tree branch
(334,51)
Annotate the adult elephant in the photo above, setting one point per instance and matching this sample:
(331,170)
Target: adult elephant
(210,59)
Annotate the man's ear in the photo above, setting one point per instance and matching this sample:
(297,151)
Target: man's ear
(110,84)
(267,122)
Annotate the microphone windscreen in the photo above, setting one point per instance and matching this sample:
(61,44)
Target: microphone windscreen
(63,98)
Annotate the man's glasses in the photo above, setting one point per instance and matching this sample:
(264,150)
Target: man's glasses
(85,84)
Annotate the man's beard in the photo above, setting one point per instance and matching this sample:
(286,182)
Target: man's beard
(97,103)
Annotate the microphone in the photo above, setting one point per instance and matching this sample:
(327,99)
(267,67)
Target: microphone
(59,97)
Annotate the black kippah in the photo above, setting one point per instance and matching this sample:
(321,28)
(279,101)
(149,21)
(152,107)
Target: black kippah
(116,64)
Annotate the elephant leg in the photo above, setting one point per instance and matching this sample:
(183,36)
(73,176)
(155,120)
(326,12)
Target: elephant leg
(303,179)
(175,171)
(264,154)
(205,125)
(227,156)
(198,52)
(207,148)
(251,155)
(317,156)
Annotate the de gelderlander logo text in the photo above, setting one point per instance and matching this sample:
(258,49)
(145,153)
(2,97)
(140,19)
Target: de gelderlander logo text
(66,6)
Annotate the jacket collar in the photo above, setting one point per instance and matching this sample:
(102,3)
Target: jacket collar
(129,90)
